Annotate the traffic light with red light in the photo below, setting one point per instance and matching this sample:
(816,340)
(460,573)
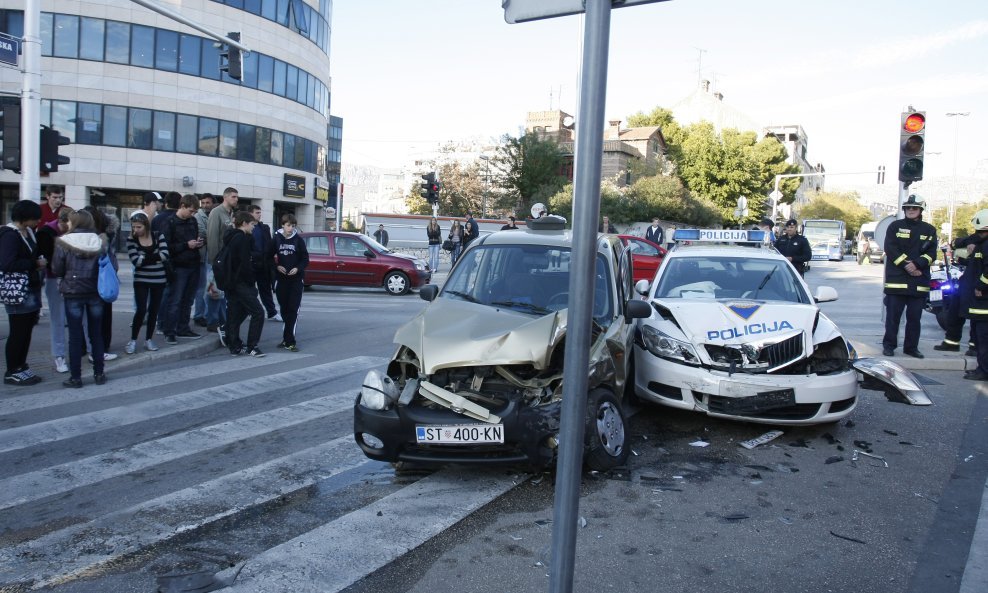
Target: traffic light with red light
(430,188)
(912,132)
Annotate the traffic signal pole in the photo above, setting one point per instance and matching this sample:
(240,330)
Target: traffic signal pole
(30,188)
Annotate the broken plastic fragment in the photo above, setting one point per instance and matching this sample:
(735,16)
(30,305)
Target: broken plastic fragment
(583,522)
(768,436)
(699,443)
(879,457)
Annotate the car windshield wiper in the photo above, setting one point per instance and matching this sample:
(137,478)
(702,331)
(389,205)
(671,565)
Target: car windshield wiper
(521,305)
(765,280)
(463,295)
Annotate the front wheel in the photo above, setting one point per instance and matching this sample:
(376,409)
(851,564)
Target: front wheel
(396,283)
(606,436)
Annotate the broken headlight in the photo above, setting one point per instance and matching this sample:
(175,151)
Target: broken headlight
(378,391)
(667,347)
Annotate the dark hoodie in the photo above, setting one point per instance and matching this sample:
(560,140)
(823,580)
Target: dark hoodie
(241,246)
(290,252)
(76,262)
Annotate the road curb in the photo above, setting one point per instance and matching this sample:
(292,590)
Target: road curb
(947,362)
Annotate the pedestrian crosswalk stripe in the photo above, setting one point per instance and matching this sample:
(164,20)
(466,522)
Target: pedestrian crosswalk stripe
(61,554)
(72,426)
(61,478)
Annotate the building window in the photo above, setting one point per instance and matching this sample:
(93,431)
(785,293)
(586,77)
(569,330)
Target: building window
(277,142)
(88,123)
(166,50)
(142,46)
(164,131)
(228,139)
(249,67)
(117,42)
(279,77)
(189,50)
(209,132)
(245,142)
(63,118)
(186,133)
(45,30)
(139,129)
(66,38)
(265,73)
(114,125)
(262,146)
(92,34)
(210,67)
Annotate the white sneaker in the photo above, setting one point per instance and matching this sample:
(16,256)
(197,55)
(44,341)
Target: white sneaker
(276,317)
(151,346)
(60,366)
(131,347)
(109,356)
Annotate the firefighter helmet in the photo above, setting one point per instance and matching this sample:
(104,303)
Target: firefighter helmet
(980,220)
(914,200)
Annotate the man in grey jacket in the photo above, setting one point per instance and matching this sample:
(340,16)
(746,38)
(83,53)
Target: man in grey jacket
(220,220)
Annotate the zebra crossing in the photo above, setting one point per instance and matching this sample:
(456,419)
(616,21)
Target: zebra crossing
(92,481)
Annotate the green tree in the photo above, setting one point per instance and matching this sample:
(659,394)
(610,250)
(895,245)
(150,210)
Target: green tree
(837,206)
(461,189)
(529,171)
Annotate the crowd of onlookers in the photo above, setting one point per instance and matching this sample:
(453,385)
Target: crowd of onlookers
(199,264)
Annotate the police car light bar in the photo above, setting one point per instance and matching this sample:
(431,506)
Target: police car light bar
(719,235)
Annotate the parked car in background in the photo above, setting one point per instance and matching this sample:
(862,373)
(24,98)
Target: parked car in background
(352,259)
(645,256)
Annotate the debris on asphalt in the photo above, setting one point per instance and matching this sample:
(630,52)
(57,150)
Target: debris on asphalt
(929,498)
(539,479)
(908,444)
(516,538)
(863,445)
(834,459)
(761,440)
(968,458)
(879,457)
(543,522)
(800,443)
(735,517)
(830,438)
(848,538)
(785,520)
(891,432)
(582,522)
(699,443)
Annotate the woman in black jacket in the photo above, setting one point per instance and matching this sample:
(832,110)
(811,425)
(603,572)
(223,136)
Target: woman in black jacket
(18,253)
(291,258)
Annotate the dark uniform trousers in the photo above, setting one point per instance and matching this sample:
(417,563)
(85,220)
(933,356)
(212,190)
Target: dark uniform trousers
(913,306)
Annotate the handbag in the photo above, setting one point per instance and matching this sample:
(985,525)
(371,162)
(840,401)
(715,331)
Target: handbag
(13,287)
(107,282)
(447,245)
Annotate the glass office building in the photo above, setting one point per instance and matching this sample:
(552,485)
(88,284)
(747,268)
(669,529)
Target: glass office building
(147,107)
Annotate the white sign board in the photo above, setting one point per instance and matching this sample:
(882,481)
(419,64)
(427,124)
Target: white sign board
(520,11)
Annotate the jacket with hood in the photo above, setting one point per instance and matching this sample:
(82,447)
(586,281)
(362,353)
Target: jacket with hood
(76,262)
(46,235)
(241,247)
(290,252)
(178,232)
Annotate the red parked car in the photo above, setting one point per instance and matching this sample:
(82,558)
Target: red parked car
(645,256)
(352,259)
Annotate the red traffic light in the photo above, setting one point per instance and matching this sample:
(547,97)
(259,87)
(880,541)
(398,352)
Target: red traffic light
(914,123)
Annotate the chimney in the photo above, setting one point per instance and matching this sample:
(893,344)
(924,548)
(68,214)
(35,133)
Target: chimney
(705,85)
(614,129)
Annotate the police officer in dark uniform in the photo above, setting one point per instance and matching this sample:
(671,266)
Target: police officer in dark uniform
(794,246)
(965,252)
(977,312)
(910,249)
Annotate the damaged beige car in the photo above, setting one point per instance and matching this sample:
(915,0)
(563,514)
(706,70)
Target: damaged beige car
(478,375)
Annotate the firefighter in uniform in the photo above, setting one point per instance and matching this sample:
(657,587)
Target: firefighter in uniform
(966,250)
(910,249)
(978,310)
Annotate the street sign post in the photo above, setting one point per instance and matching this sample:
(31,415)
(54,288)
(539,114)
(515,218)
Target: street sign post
(521,11)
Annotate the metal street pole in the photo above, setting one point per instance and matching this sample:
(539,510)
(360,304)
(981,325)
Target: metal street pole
(953,183)
(487,183)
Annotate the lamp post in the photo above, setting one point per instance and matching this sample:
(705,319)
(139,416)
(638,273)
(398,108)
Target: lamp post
(487,182)
(953,184)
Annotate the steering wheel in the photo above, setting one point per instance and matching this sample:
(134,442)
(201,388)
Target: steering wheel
(558,301)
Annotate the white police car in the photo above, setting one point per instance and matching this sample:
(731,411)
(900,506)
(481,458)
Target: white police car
(735,333)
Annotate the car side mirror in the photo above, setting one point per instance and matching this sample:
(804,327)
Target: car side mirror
(642,286)
(825,294)
(635,309)
(369,254)
(428,292)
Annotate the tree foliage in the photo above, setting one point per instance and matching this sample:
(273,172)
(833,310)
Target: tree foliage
(837,206)
(528,171)
(461,190)
(963,213)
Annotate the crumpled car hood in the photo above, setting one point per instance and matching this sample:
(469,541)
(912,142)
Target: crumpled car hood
(453,333)
(733,321)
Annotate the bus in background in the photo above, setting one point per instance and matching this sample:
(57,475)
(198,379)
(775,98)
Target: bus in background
(826,238)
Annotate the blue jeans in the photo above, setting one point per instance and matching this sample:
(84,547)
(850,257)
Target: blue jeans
(434,256)
(181,294)
(199,310)
(92,309)
(455,254)
(56,310)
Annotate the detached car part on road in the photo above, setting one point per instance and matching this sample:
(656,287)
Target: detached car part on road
(478,374)
(735,333)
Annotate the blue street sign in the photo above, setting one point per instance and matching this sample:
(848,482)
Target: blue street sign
(10,48)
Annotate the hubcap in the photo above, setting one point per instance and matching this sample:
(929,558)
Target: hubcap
(396,284)
(610,429)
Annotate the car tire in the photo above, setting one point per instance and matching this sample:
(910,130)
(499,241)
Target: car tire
(606,439)
(396,283)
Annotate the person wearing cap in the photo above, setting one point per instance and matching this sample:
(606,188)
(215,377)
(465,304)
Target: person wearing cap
(910,249)
(966,252)
(794,247)
(152,203)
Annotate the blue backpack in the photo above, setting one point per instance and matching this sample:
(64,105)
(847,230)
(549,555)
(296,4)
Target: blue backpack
(108,284)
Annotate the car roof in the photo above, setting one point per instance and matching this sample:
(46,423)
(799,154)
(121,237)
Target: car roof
(743,251)
(550,238)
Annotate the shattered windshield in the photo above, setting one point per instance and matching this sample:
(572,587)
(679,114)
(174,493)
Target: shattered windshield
(531,279)
(730,277)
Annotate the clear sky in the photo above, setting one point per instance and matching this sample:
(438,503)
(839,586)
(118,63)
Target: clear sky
(409,74)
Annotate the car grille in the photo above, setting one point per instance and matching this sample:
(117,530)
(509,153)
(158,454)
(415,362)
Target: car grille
(769,358)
